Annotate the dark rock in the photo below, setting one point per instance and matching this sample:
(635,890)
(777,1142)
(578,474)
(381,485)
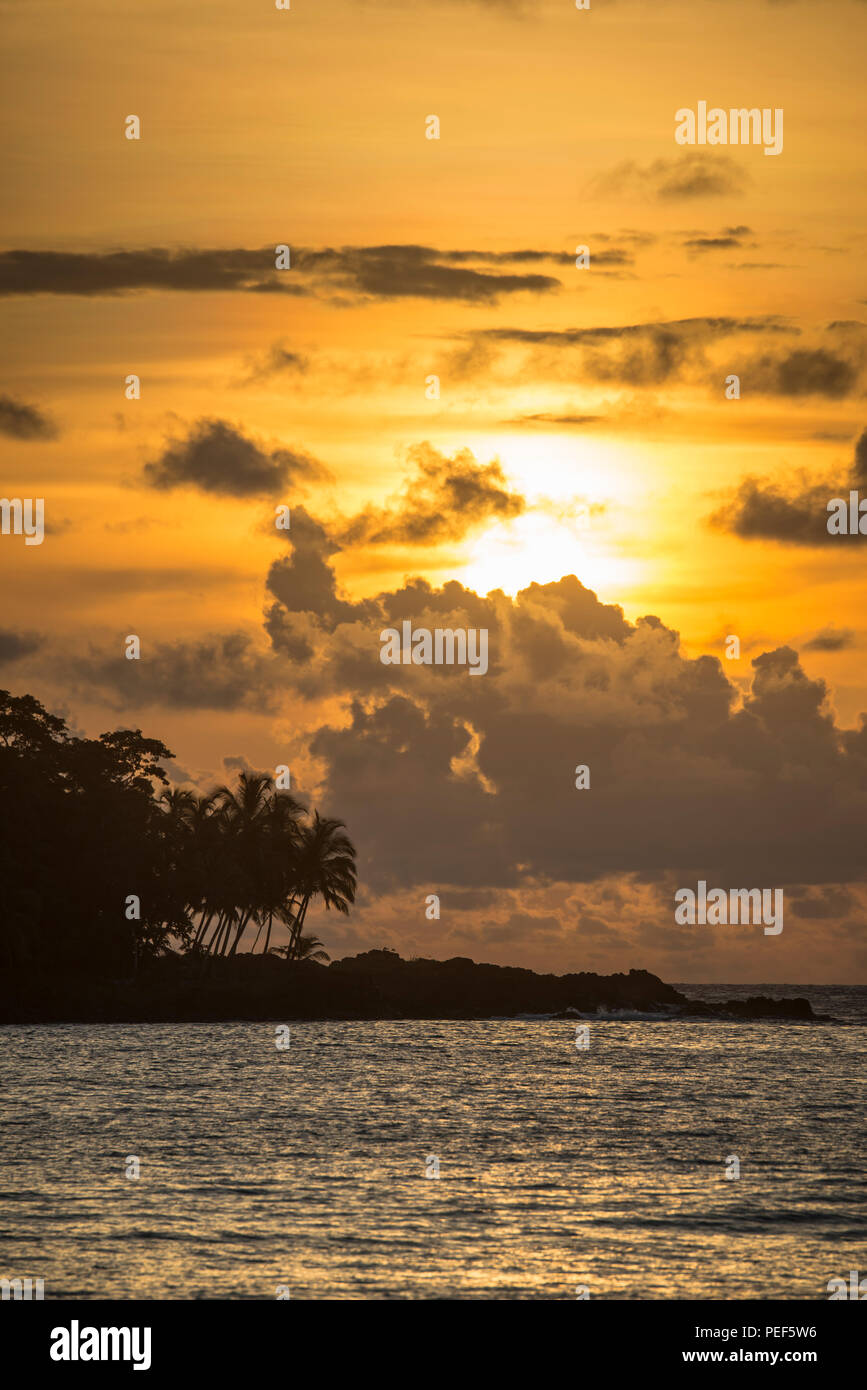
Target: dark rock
(374,984)
(761,1006)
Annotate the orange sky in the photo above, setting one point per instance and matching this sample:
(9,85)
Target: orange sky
(307,127)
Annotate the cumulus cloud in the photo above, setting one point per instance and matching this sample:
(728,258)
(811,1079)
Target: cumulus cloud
(470,781)
(797,515)
(219,458)
(443,499)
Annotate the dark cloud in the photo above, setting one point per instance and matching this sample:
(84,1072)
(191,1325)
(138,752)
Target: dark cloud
(759,510)
(216,457)
(547,419)
(641,354)
(119,272)
(691,176)
(303,584)
(277,361)
(382,272)
(418,272)
(524,257)
(652,353)
(435,770)
(803,372)
(762,511)
(822,904)
(712,243)
(613,256)
(22,421)
(831,639)
(224,671)
(697,329)
(15,645)
(726,239)
(444,499)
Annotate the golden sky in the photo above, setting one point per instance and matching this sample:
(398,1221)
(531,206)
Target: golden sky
(582,428)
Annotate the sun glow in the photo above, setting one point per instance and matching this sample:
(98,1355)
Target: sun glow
(538,548)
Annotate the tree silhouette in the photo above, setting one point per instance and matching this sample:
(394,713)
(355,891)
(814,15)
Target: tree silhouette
(103,865)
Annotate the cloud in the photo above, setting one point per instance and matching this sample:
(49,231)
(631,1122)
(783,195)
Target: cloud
(119,272)
(699,329)
(222,671)
(831,639)
(415,272)
(696,349)
(802,372)
(444,499)
(217,457)
(303,584)
(727,239)
(15,645)
(277,361)
(380,272)
(641,354)
(690,176)
(818,905)
(541,418)
(455,780)
(22,421)
(760,510)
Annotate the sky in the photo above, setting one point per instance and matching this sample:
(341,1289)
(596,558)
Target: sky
(470,431)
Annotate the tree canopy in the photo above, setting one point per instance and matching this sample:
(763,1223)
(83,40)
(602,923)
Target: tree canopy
(103,864)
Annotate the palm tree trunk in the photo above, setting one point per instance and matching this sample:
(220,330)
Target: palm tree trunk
(299,924)
(242,927)
(267,945)
(207,918)
(213,944)
(258,934)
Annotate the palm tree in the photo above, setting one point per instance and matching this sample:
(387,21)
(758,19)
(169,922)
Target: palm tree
(244,812)
(282,834)
(325,867)
(245,854)
(306,948)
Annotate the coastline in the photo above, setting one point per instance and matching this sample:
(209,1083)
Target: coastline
(376,985)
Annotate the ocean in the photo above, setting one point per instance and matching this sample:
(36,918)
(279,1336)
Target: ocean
(309,1170)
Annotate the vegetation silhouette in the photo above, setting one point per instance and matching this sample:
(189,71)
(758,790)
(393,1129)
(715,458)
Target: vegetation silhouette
(103,865)
(123,899)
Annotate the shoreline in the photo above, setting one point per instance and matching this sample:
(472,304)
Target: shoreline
(373,986)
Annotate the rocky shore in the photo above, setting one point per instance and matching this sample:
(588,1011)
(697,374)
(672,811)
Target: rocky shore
(373,985)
